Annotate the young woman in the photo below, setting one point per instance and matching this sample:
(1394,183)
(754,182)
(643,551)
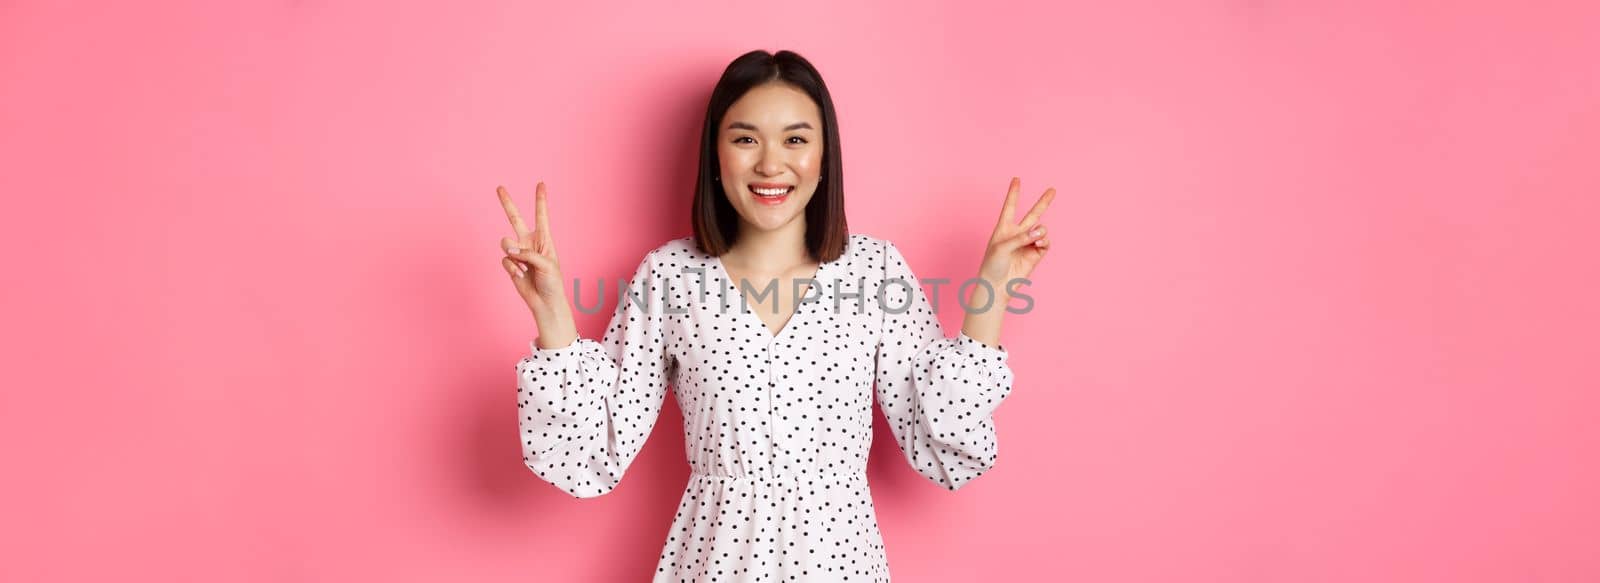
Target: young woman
(773,324)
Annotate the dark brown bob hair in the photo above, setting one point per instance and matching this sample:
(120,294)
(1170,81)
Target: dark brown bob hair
(716,223)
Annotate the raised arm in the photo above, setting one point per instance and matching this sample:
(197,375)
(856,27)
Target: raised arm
(939,394)
(584,407)
(535,270)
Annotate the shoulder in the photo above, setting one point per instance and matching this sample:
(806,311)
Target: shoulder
(874,257)
(675,251)
(864,247)
(669,257)
(873,251)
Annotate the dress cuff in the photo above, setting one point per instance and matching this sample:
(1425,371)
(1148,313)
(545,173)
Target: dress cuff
(552,355)
(969,345)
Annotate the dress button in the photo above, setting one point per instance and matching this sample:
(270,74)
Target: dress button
(772,367)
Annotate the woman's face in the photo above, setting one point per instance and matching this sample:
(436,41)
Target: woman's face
(770,141)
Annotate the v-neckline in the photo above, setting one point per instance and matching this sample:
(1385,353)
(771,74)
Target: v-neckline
(799,308)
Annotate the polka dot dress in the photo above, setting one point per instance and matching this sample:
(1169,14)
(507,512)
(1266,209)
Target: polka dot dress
(776,426)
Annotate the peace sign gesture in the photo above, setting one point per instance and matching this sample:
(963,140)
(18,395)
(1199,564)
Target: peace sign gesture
(531,257)
(1016,248)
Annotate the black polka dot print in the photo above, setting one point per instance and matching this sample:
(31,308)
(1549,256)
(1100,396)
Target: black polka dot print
(777,426)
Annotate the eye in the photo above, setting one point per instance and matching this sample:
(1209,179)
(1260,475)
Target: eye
(802,140)
(736,140)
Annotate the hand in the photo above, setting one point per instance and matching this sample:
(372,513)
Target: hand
(531,258)
(1014,248)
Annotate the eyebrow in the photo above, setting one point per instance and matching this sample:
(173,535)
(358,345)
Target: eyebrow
(739,125)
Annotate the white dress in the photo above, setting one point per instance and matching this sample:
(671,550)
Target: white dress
(776,427)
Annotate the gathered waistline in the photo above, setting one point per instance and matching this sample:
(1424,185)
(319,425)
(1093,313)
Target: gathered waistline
(816,475)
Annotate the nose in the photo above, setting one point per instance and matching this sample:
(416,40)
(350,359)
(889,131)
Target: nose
(771,162)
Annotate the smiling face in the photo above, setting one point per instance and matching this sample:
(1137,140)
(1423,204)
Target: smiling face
(769,145)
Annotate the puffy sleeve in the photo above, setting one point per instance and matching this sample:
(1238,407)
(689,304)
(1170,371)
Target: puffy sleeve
(939,394)
(585,410)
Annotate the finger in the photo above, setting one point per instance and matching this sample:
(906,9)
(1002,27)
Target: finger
(541,219)
(1026,237)
(511,213)
(514,250)
(1038,208)
(513,267)
(1010,207)
(519,276)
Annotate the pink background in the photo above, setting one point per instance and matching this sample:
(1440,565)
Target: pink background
(1321,306)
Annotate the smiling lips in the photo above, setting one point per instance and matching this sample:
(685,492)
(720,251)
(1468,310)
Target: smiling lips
(770,193)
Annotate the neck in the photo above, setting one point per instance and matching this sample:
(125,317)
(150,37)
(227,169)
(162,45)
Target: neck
(768,252)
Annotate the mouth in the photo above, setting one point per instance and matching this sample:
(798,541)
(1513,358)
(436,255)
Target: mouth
(771,194)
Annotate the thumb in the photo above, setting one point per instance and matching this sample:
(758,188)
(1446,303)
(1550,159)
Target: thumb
(533,258)
(1024,238)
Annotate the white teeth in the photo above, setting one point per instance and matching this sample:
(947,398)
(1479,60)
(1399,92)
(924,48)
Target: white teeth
(770,191)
